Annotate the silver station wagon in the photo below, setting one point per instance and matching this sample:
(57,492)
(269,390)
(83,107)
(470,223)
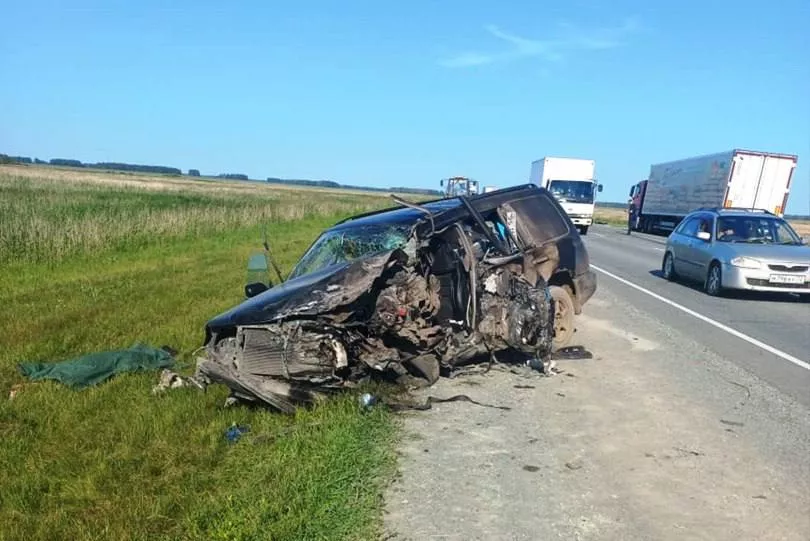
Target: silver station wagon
(743,249)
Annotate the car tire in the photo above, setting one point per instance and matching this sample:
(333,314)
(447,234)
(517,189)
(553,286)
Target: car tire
(583,230)
(563,316)
(714,280)
(668,267)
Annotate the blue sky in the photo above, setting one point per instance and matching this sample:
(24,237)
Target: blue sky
(378,93)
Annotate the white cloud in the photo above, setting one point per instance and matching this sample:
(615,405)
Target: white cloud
(570,39)
(468,59)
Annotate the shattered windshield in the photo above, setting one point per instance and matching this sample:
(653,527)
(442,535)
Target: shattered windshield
(572,191)
(347,244)
(755,230)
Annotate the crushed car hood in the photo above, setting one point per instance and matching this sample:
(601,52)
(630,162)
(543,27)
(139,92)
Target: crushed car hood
(307,295)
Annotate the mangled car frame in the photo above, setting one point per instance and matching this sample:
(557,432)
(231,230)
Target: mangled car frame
(408,293)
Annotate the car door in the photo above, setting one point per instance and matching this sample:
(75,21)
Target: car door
(680,244)
(703,250)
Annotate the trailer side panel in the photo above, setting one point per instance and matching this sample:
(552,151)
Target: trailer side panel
(677,188)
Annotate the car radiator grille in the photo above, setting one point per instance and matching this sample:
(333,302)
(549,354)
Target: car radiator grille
(788,268)
(765,283)
(263,354)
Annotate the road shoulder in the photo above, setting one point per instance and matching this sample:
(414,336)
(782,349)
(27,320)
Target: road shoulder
(654,438)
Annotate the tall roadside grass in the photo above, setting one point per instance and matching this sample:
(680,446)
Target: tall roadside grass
(43,221)
(802,227)
(127,263)
(610,216)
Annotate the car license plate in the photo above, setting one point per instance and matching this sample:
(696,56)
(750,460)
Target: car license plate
(786,279)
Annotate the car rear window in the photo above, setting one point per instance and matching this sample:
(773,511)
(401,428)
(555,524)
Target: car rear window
(541,218)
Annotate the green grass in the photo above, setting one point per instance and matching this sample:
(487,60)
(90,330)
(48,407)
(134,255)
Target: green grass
(116,461)
(44,221)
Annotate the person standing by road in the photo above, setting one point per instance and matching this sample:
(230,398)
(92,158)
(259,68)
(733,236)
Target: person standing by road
(631,215)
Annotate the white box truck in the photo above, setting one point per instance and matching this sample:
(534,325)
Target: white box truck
(572,181)
(735,178)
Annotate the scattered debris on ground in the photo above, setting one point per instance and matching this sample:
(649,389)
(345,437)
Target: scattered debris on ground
(234,432)
(173,380)
(572,353)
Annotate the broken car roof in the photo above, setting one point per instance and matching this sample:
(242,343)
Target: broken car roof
(438,207)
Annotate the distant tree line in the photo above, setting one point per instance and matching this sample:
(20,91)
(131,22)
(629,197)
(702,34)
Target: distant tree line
(159,169)
(164,170)
(609,205)
(66,163)
(114,166)
(5,158)
(333,184)
(117,166)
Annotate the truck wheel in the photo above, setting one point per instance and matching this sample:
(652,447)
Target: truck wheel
(583,230)
(563,317)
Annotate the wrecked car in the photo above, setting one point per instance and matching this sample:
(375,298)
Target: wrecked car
(408,293)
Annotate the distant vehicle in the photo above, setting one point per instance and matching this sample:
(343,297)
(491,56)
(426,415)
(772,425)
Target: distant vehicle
(572,182)
(456,186)
(736,178)
(730,248)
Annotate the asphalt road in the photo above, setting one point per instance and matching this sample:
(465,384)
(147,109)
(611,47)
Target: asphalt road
(778,322)
(675,429)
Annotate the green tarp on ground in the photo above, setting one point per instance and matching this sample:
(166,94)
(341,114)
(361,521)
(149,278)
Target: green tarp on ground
(94,368)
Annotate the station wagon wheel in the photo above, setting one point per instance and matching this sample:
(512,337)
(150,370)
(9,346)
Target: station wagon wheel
(714,280)
(668,267)
(563,317)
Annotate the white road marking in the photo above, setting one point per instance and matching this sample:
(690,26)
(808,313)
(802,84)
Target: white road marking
(726,328)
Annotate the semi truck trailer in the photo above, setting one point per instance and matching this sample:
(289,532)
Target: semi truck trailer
(735,178)
(572,182)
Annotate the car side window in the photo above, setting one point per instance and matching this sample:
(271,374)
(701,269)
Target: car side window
(690,228)
(704,225)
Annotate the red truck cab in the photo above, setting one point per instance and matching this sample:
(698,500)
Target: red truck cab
(637,192)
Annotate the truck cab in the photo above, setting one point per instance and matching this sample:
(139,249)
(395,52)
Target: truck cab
(573,184)
(577,198)
(636,200)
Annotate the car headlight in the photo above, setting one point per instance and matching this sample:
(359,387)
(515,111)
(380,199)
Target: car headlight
(746,262)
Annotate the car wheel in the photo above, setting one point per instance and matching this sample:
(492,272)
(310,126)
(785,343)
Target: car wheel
(563,317)
(714,280)
(583,230)
(668,267)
